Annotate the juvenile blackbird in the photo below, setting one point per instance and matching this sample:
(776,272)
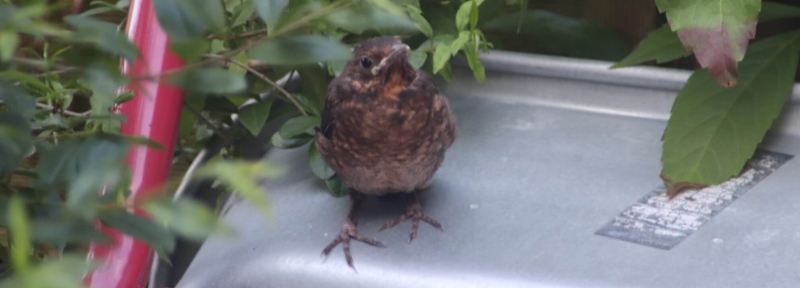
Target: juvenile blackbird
(385,129)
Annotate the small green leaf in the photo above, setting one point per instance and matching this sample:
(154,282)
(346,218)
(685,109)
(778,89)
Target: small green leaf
(713,130)
(236,69)
(662,45)
(310,105)
(242,176)
(473,15)
(242,13)
(315,84)
(297,141)
(417,58)
(188,217)
(420,21)
(19,228)
(298,125)
(459,42)
(158,237)
(254,116)
(441,56)
(8,44)
(301,50)
(475,64)
(210,80)
(337,187)
(318,166)
(464,14)
(269,10)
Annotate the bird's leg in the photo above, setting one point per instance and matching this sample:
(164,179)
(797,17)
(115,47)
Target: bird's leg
(414,212)
(349,231)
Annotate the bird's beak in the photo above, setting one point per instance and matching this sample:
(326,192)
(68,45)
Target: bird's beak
(398,56)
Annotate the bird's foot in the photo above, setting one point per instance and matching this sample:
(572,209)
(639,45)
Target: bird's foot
(349,232)
(415,213)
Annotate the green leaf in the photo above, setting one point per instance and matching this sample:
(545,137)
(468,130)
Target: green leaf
(361,17)
(315,84)
(236,69)
(242,176)
(17,100)
(297,141)
(188,217)
(242,13)
(465,13)
(310,105)
(298,125)
(662,45)
(254,116)
(417,58)
(269,10)
(337,187)
(713,130)
(318,166)
(475,64)
(190,49)
(64,272)
(210,80)
(177,22)
(717,31)
(301,50)
(104,35)
(210,12)
(8,44)
(473,15)
(441,56)
(459,42)
(420,21)
(561,35)
(19,229)
(158,237)
(99,163)
(388,6)
(15,141)
(775,11)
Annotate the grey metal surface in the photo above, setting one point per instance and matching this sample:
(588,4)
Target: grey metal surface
(544,159)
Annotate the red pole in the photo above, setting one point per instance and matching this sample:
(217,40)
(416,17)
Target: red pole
(154,113)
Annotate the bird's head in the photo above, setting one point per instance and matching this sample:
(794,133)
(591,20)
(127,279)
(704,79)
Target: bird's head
(381,64)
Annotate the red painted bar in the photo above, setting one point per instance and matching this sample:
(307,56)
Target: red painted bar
(153,113)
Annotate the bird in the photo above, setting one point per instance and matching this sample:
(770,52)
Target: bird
(384,130)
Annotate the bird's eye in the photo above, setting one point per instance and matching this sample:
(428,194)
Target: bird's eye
(366,62)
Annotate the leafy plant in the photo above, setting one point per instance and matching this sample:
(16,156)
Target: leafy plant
(724,111)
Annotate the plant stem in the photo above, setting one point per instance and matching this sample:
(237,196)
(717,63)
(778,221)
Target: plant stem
(266,79)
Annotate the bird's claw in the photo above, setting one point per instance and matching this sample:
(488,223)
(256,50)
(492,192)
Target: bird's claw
(415,213)
(347,233)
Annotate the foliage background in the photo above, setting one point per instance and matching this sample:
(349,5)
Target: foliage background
(59,141)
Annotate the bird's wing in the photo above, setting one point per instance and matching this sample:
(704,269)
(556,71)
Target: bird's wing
(332,101)
(446,120)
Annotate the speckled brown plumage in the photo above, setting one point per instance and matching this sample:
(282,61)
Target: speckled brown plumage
(385,129)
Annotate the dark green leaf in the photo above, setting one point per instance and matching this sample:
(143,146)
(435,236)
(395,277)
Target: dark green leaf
(298,125)
(210,80)
(562,35)
(337,187)
(269,10)
(209,12)
(188,217)
(190,49)
(420,21)
(774,11)
(310,105)
(362,17)
(15,141)
(254,116)
(220,104)
(713,130)
(176,22)
(301,50)
(242,13)
(315,84)
(100,162)
(280,142)
(158,237)
(16,100)
(318,166)
(662,45)
(104,35)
